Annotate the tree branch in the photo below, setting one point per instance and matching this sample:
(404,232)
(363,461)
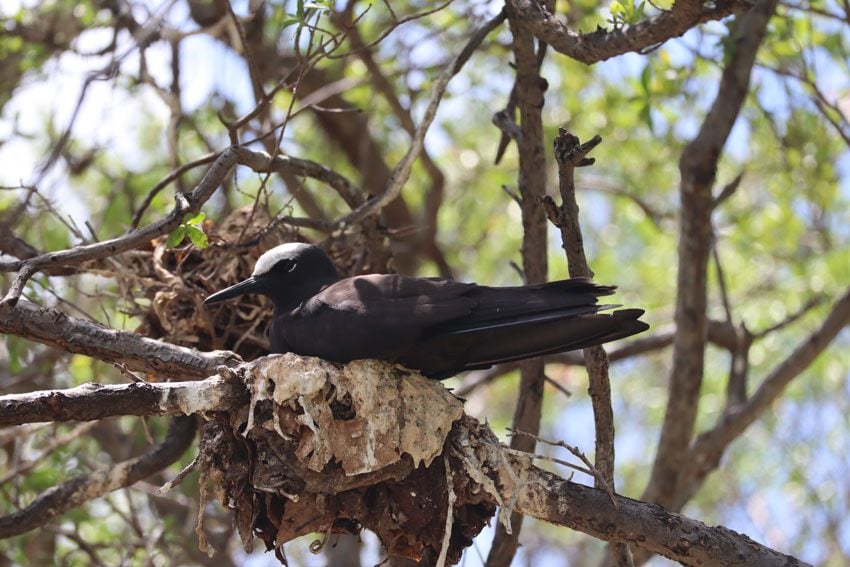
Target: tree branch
(91,402)
(698,166)
(602,44)
(483,468)
(708,448)
(552,499)
(186,203)
(548,497)
(530,88)
(54,328)
(571,154)
(263,163)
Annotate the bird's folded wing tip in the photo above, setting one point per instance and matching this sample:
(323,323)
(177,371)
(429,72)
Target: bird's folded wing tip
(631,313)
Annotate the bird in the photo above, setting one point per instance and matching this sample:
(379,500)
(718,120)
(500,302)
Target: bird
(436,326)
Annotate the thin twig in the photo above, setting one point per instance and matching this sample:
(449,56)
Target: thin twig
(588,469)
(401,172)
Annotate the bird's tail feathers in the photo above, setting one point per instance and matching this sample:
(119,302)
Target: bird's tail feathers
(509,343)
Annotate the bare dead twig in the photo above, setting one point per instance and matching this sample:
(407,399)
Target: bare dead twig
(570,154)
(132,376)
(450,502)
(402,170)
(588,469)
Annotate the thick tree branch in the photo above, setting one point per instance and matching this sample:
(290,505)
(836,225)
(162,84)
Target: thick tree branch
(601,45)
(502,475)
(91,402)
(648,526)
(698,166)
(59,499)
(548,497)
(54,328)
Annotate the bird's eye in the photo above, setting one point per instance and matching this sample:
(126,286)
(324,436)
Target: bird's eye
(283,266)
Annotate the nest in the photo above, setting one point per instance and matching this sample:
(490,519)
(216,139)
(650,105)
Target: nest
(175,281)
(332,448)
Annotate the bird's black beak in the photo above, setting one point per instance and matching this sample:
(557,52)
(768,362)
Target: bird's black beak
(250,285)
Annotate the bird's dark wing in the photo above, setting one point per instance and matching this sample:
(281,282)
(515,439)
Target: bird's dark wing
(516,323)
(442,356)
(508,306)
(374,316)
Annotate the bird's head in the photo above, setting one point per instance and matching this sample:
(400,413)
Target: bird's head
(288,274)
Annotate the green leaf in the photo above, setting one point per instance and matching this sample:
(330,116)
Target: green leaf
(197,219)
(616,9)
(646,116)
(176,237)
(638,14)
(197,236)
(646,78)
(290,21)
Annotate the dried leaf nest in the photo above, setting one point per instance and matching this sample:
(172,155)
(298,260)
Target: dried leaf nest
(328,448)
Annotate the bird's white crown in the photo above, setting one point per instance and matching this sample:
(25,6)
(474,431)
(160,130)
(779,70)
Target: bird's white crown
(268,260)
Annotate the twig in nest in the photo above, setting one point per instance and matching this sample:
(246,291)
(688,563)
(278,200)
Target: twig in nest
(200,528)
(447,532)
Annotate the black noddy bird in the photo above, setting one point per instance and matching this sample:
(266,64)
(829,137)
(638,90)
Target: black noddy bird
(439,327)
